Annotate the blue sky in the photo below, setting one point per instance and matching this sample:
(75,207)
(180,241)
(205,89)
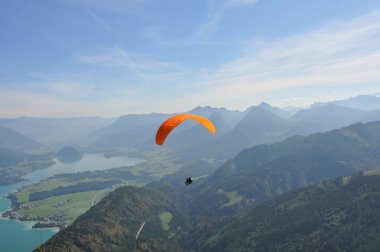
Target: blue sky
(114,57)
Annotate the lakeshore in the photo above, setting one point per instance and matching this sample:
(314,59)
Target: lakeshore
(30,228)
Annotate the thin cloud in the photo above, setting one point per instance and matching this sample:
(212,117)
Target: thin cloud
(147,69)
(132,65)
(336,56)
(71,90)
(134,7)
(100,21)
(113,57)
(339,54)
(218,11)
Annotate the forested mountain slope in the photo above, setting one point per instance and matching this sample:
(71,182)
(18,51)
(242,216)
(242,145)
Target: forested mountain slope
(113,224)
(340,214)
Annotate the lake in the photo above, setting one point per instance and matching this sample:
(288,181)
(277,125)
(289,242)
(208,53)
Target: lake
(19,236)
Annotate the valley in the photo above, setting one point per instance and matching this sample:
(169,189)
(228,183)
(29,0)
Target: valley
(58,200)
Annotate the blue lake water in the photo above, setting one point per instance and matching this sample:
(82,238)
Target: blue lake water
(18,236)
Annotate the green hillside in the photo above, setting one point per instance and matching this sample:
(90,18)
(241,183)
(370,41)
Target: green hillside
(113,224)
(264,171)
(69,154)
(329,216)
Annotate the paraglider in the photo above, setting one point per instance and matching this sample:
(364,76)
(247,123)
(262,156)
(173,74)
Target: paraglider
(174,121)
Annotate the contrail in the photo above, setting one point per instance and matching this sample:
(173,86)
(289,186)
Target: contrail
(101,22)
(132,65)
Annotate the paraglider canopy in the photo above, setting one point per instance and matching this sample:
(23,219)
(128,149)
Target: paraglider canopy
(174,121)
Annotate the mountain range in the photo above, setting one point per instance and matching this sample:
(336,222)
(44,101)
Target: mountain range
(10,139)
(52,131)
(255,201)
(362,102)
(259,126)
(236,130)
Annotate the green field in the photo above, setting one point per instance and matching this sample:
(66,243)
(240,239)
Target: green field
(71,205)
(45,185)
(165,218)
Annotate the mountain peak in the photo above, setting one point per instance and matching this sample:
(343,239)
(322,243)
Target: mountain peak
(274,110)
(265,105)
(202,108)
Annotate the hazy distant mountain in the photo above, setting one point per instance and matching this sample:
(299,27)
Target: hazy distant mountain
(10,139)
(128,130)
(258,126)
(373,115)
(55,130)
(277,111)
(328,117)
(231,117)
(10,157)
(336,215)
(363,102)
(127,122)
(235,130)
(292,110)
(140,130)
(134,137)
(114,223)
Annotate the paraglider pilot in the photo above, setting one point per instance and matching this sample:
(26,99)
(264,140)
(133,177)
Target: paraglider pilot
(188,181)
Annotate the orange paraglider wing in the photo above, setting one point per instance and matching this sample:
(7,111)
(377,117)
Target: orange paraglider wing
(174,121)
